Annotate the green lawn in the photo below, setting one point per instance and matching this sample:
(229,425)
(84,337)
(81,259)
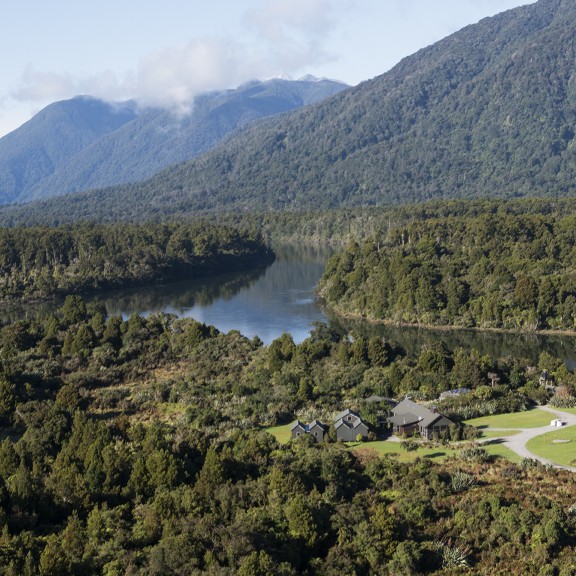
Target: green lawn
(498,449)
(558,446)
(498,433)
(281,433)
(569,410)
(529,419)
(394,449)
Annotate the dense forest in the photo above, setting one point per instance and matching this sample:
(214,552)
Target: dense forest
(136,447)
(41,262)
(495,270)
(486,112)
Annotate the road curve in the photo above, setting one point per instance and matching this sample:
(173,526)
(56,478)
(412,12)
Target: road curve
(517,443)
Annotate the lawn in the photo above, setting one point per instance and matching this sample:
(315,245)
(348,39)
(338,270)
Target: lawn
(394,449)
(558,446)
(498,449)
(487,433)
(529,419)
(569,410)
(281,433)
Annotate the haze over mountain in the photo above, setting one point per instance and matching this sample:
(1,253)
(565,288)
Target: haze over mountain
(86,143)
(488,111)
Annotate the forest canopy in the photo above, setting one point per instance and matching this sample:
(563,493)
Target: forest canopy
(495,269)
(41,261)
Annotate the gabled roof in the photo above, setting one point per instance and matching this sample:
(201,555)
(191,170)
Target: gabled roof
(351,425)
(297,424)
(346,413)
(315,423)
(426,422)
(406,406)
(410,413)
(405,419)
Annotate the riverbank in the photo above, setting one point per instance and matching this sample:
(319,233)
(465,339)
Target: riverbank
(442,327)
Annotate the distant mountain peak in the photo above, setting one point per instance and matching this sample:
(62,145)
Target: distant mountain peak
(85,142)
(489,111)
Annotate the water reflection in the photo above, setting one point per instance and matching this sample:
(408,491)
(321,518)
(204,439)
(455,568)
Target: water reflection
(493,344)
(269,301)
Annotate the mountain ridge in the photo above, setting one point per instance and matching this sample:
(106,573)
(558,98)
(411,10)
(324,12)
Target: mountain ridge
(140,143)
(488,111)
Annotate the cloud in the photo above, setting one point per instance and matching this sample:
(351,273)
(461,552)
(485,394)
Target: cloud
(282,38)
(294,31)
(38,86)
(174,75)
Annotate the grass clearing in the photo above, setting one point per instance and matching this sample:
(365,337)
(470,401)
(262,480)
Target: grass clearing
(568,410)
(558,446)
(394,449)
(534,418)
(499,449)
(281,433)
(498,433)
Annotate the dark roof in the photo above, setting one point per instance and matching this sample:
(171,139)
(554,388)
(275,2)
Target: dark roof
(315,423)
(345,413)
(351,425)
(296,424)
(410,413)
(374,399)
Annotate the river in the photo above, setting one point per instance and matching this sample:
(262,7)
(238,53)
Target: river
(280,298)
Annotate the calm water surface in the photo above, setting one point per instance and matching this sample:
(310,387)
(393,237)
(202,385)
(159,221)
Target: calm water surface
(280,298)
(263,303)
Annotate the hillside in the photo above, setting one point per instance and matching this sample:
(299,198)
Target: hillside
(488,111)
(86,143)
(51,138)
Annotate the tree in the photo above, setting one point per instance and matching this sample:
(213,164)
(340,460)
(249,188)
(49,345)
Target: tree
(257,564)
(53,560)
(73,310)
(7,399)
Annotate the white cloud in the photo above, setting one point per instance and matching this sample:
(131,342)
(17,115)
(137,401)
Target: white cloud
(283,38)
(173,76)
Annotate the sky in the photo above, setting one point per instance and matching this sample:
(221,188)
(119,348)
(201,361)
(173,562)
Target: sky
(163,52)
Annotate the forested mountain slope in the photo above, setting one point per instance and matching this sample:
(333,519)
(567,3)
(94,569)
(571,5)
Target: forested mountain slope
(57,133)
(488,111)
(86,143)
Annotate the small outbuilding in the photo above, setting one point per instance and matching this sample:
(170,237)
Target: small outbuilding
(557,423)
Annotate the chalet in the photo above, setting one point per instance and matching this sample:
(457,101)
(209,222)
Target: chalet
(316,429)
(409,418)
(349,425)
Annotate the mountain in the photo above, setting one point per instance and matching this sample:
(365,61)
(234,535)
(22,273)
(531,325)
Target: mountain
(57,133)
(489,111)
(86,143)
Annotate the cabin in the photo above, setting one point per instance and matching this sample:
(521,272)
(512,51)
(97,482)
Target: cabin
(315,429)
(409,418)
(349,425)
